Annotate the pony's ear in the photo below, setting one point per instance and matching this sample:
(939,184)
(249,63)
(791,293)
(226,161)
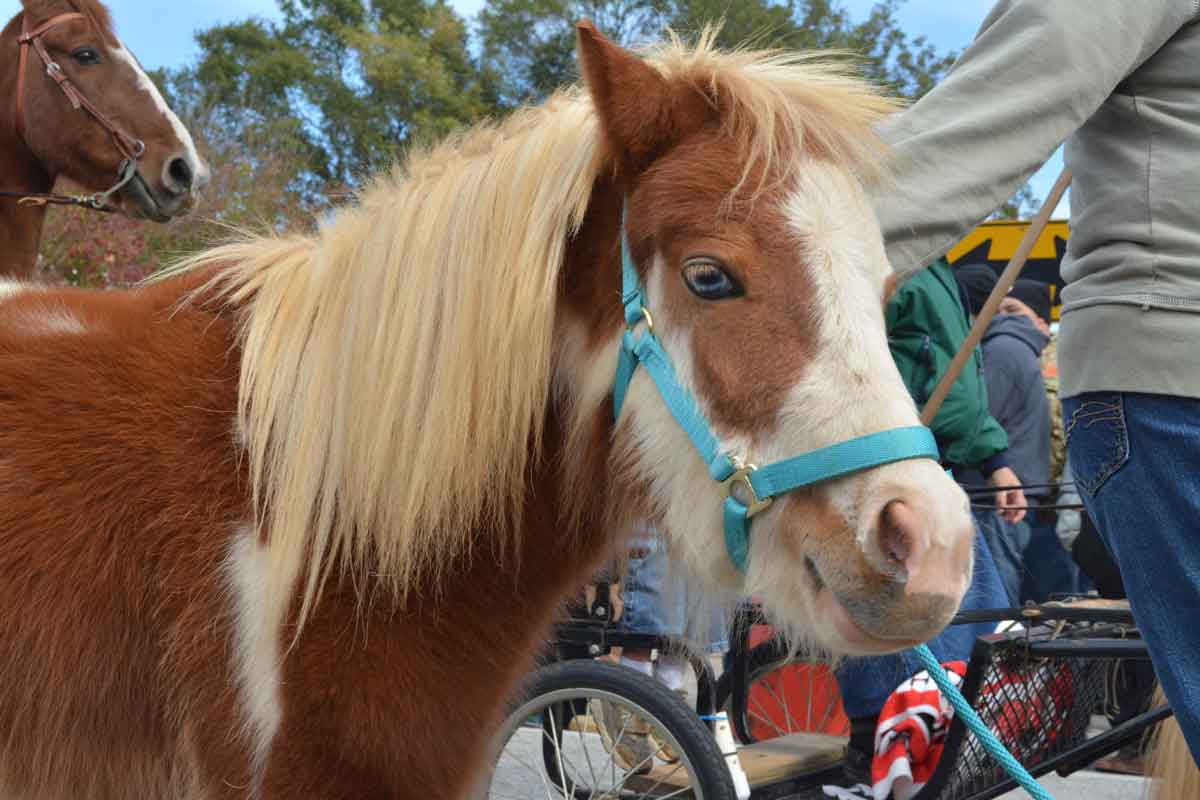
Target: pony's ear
(638,110)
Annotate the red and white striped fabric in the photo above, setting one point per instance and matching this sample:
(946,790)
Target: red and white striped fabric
(911,734)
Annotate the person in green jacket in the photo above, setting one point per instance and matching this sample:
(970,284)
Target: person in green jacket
(926,323)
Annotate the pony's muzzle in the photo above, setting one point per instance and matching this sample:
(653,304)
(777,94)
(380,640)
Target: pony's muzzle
(926,555)
(916,546)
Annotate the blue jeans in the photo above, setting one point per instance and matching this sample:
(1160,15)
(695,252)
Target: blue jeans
(659,601)
(1030,558)
(1007,542)
(1049,568)
(1136,459)
(867,682)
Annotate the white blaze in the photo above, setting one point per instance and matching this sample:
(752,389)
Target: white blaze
(197,165)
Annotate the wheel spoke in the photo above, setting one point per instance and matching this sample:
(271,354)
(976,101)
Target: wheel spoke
(539,771)
(764,716)
(781,700)
(586,755)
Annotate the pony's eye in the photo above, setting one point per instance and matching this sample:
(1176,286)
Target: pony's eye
(707,279)
(87,56)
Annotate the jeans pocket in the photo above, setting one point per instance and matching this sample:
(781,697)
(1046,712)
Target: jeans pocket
(1097,441)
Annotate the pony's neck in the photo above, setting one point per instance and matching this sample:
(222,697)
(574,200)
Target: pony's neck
(20,171)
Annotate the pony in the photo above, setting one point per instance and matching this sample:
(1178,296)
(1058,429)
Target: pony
(293,520)
(81,107)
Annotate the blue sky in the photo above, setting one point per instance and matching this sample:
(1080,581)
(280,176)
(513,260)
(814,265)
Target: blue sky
(161,33)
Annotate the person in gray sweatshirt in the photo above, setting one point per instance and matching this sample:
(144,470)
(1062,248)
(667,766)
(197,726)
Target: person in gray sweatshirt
(1117,81)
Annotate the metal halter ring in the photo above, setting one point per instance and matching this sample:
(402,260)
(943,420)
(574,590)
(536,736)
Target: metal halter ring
(649,320)
(741,476)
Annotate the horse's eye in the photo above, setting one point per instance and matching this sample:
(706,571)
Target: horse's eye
(707,279)
(87,56)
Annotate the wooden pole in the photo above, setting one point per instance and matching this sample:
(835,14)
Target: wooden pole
(1003,284)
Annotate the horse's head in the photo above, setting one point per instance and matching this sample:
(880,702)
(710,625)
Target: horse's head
(765,274)
(97,110)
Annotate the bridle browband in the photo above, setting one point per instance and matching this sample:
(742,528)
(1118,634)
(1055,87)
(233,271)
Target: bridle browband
(748,489)
(129,147)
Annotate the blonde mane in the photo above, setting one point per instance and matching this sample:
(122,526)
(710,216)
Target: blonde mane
(396,365)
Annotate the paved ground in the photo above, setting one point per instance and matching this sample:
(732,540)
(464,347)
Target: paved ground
(1087,785)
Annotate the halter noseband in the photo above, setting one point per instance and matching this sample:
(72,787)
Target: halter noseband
(129,147)
(757,486)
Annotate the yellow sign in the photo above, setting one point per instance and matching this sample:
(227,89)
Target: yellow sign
(995,242)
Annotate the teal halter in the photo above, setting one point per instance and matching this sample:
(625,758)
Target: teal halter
(760,485)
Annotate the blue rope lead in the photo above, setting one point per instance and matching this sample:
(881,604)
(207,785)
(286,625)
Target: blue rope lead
(981,731)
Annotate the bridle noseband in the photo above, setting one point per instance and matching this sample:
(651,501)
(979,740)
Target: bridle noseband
(748,489)
(129,147)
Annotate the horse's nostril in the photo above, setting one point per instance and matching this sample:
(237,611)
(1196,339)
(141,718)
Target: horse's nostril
(178,175)
(896,528)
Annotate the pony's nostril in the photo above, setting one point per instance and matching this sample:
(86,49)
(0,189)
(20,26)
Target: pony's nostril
(178,175)
(895,531)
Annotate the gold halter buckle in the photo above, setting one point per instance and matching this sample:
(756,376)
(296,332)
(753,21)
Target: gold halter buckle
(741,477)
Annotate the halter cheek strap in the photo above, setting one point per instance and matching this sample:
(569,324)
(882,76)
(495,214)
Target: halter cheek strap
(748,489)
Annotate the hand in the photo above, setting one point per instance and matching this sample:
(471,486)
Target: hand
(1010,500)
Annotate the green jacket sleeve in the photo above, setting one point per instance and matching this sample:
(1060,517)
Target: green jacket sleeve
(926,324)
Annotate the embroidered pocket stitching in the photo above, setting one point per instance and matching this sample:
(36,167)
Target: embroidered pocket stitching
(1089,413)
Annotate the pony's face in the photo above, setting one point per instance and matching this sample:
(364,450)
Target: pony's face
(771,310)
(72,143)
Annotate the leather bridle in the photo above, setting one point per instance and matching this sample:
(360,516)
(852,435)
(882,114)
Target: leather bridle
(129,147)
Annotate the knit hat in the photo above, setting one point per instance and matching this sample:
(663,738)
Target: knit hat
(977,282)
(1034,294)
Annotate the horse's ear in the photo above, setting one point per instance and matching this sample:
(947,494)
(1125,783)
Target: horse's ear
(637,108)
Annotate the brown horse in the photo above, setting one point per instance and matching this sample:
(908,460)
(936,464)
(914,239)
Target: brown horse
(75,103)
(291,522)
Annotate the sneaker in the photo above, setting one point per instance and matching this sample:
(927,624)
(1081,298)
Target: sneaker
(626,737)
(854,791)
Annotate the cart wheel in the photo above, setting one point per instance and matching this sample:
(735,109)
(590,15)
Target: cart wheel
(590,729)
(786,696)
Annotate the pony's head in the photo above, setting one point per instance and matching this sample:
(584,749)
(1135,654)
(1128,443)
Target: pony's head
(413,370)
(765,273)
(93,67)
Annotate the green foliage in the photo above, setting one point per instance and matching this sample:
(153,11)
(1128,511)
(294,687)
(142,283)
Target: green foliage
(530,43)
(291,114)
(356,80)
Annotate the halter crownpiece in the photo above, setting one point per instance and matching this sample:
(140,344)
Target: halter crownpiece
(748,489)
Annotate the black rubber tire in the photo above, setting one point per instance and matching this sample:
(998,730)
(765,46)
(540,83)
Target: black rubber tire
(661,704)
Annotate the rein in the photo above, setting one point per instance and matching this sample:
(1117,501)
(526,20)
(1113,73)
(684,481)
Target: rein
(130,148)
(748,489)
